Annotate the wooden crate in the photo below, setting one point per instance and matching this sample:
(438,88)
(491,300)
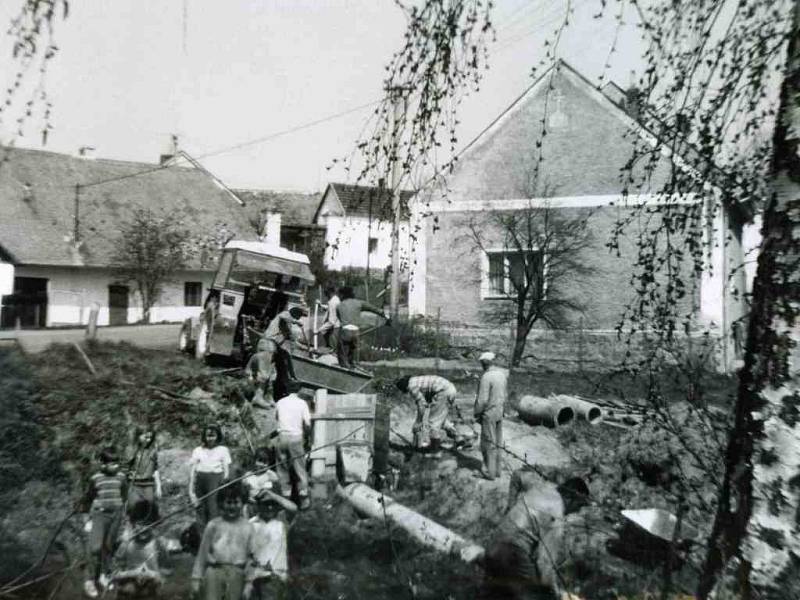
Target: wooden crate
(340,418)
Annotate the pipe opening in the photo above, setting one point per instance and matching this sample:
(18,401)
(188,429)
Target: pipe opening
(594,415)
(565,415)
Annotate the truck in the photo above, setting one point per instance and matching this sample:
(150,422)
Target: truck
(243,299)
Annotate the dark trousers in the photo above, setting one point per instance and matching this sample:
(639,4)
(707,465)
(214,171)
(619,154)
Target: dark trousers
(269,588)
(223,582)
(291,465)
(491,442)
(512,573)
(103,539)
(142,492)
(206,483)
(347,347)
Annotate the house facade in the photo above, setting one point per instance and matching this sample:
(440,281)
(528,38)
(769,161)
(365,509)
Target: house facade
(358,227)
(60,227)
(285,218)
(585,150)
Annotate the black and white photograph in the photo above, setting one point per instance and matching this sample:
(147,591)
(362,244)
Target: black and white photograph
(400,299)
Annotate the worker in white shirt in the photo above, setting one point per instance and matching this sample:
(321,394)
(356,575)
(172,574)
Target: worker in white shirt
(294,428)
(330,326)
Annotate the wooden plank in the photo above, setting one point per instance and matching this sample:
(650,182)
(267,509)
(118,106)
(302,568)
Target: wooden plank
(318,458)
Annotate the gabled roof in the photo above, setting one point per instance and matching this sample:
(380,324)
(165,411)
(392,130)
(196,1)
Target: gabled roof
(38,195)
(295,208)
(363,200)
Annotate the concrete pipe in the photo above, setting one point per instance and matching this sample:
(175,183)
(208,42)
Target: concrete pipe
(544,411)
(585,411)
(429,533)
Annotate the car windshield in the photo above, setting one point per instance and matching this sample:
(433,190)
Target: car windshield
(248,270)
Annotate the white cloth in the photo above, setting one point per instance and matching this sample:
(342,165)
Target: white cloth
(256,483)
(268,552)
(331,316)
(292,413)
(211,460)
(486,356)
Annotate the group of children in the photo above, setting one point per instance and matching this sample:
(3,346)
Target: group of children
(243,523)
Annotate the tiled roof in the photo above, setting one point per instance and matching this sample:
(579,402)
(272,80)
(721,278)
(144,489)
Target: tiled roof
(37,200)
(356,200)
(295,208)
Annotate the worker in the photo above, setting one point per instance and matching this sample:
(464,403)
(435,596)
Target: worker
(349,313)
(330,326)
(521,561)
(272,361)
(433,395)
(294,430)
(489,405)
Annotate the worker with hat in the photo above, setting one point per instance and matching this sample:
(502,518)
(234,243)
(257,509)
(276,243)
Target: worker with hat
(489,404)
(434,396)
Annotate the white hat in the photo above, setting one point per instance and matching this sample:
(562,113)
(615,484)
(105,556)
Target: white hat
(486,357)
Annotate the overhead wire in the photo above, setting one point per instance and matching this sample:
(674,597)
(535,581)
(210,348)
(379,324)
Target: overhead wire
(245,144)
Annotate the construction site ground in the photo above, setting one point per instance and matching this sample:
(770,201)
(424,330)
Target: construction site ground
(334,553)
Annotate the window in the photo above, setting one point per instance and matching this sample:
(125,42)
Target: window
(505,271)
(372,245)
(192,293)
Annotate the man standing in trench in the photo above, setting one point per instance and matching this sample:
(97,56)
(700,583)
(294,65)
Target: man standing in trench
(489,404)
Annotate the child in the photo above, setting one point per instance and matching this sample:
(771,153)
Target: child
(143,473)
(261,477)
(268,568)
(209,467)
(222,557)
(138,560)
(105,500)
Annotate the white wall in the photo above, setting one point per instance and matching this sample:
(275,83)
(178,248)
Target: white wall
(71,291)
(347,243)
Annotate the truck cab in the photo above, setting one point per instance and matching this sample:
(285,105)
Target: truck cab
(243,298)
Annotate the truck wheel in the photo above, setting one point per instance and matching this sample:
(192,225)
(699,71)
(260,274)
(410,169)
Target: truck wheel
(201,345)
(184,339)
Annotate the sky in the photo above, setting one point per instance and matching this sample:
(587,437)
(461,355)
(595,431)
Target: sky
(220,73)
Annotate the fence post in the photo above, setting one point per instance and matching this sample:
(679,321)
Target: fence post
(91,326)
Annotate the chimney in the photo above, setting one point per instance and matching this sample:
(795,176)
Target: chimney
(170,149)
(633,98)
(272,229)
(633,102)
(87,152)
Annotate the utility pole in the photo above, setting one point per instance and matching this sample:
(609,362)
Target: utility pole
(76,232)
(399,103)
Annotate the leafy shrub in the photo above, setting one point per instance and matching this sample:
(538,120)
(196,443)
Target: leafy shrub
(407,337)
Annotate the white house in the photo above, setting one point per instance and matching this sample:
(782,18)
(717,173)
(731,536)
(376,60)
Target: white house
(358,222)
(60,224)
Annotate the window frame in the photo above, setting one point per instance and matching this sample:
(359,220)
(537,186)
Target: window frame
(507,294)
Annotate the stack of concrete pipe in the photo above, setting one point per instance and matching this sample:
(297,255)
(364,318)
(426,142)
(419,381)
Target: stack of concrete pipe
(557,410)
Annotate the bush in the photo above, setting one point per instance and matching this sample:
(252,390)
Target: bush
(415,337)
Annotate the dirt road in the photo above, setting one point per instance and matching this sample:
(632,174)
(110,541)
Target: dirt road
(34,341)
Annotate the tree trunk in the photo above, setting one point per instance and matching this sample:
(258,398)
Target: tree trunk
(520,338)
(758,515)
